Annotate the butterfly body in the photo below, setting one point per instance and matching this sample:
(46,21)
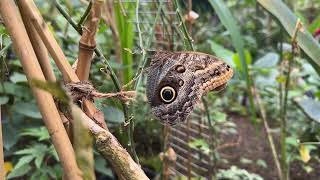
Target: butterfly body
(177,80)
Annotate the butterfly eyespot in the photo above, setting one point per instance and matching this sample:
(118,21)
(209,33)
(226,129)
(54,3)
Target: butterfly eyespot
(167,94)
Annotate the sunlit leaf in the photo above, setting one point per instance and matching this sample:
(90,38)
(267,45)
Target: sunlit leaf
(18,77)
(304,153)
(200,144)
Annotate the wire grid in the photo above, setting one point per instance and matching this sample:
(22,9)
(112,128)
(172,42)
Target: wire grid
(190,162)
(166,34)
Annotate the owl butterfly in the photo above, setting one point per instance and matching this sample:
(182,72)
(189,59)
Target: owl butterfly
(177,80)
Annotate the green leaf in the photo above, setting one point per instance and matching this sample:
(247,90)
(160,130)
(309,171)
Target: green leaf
(219,117)
(39,160)
(113,115)
(101,167)
(267,61)
(4,100)
(237,60)
(230,23)
(19,171)
(310,107)
(315,24)
(39,132)
(288,20)
(10,136)
(262,163)
(245,161)
(223,53)
(18,77)
(27,109)
(200,144)
(24,160)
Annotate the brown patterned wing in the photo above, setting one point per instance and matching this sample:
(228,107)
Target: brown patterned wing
(177,80)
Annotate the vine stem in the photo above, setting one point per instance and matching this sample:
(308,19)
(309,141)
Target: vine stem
(283,135)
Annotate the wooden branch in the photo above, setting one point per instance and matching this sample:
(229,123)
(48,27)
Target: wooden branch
(49,112)
(112,150)
(59,57)
(87,42)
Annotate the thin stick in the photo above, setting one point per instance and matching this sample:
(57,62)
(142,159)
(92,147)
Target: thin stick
(1,150)
(45,102)
(84,16)
(283,134)
(269,135)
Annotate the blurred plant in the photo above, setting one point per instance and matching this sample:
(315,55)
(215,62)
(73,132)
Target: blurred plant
(237,174)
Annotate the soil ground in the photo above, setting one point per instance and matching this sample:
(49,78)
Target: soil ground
(253,145)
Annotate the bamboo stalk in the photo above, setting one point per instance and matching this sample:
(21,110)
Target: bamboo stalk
(43,57)
(113,151)
(45,102)
(38,46)
(87,42)
(59,57)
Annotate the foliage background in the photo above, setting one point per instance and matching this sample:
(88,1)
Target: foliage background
(258,50)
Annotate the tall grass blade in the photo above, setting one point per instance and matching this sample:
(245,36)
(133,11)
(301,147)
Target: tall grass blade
(125,27)
(230,23)
(288,20)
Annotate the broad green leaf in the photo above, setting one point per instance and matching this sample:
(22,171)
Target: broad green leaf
(19,171)
(113,115)
(16,89)
(219,117)
(101,167)
(41,133)
(237,60)
(245,161)
(24,160)
(18,77)
(310,107)
(288,20)
(10,135)
(27,109)
(200,144)
(267,61)
(39,159)
(223,53)
(262,163)
(4,100)
(315,24)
